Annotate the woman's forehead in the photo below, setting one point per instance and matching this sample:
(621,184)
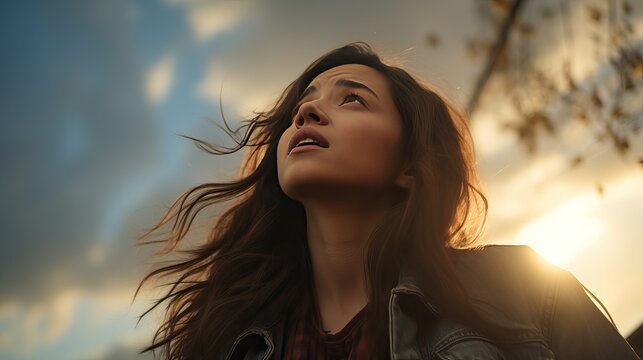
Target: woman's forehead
(362,73)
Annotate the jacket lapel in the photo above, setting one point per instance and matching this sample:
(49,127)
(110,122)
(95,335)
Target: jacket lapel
(403,326)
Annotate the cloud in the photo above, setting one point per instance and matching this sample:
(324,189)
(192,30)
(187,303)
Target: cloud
(94,321)
(280,39)
(8,312)
(212,19)
(38,324)
(208,19)
(234,91)
(159,79)
(48,322)
(61,311)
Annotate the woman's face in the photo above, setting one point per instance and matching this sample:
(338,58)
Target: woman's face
(351,111)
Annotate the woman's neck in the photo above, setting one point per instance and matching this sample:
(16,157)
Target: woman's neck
(337,239)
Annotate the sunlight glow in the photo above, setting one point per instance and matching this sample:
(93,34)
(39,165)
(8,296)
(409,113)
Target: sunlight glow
(560,235)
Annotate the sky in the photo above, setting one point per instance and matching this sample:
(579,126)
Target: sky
(95,95)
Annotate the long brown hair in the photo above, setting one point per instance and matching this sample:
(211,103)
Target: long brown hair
(256,257)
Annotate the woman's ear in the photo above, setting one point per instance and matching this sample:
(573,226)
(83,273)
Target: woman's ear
(405,180)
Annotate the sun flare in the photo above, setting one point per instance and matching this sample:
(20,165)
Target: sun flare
(561,234)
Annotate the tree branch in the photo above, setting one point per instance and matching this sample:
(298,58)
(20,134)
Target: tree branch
(492,60)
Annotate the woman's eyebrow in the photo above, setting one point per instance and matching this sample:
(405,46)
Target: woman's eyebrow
(354,85)
(341,83)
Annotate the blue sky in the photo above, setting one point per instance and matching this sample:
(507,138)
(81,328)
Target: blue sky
(94,95)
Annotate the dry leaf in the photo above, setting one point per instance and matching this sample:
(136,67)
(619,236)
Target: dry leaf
(433,40)
(628,84)
(576,161)
(599,189)
(617,111)
(621,144)
(525,29)
(546,13)
(596,99)
(544,121)
(595,14)
(501,5)
(570,80)
(582,116)
(474,49)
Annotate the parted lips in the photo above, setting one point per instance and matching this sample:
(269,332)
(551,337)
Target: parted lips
(307,136)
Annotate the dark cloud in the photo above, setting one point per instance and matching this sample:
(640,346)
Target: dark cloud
(75,125)
(86,160)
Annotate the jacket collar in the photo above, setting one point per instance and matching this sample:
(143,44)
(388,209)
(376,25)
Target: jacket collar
(408,285)
(270,323)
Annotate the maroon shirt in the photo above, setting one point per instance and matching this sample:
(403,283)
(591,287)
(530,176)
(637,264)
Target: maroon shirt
(307,339)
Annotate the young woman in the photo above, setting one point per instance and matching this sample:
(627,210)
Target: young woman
(346,239)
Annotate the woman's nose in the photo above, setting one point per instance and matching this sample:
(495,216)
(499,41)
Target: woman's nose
(309,111)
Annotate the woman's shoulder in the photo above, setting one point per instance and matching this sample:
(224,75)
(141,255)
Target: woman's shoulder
(516,289)
(508,262)
(508,284)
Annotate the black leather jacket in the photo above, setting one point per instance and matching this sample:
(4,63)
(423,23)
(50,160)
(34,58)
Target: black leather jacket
(546,311)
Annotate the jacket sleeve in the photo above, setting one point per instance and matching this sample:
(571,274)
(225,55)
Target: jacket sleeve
(577,328)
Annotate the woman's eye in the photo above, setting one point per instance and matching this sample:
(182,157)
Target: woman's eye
(352,97)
